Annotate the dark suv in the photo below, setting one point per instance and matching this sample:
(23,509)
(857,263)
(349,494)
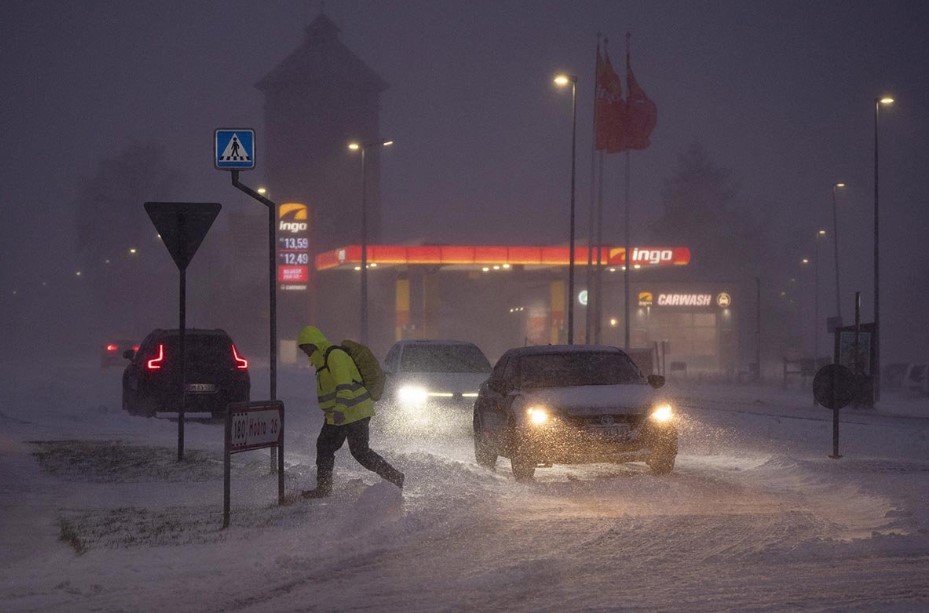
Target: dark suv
(216,373)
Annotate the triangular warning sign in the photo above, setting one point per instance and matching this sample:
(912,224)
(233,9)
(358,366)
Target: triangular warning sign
(182,226)
(234,151)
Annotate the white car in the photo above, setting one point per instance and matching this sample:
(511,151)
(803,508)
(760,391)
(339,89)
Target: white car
(431,385)
(572,404)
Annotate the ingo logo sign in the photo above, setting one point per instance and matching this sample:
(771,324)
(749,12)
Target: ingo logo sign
(651,256)
(292,218)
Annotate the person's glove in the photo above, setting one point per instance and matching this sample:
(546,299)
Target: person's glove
(338,417)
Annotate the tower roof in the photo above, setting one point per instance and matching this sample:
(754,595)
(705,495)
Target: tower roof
(322,57)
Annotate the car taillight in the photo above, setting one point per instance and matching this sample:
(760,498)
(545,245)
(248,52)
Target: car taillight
(240,362)
(156,362)
(111,347)
(135,348)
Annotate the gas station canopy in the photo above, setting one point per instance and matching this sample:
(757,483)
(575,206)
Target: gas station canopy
(480,257)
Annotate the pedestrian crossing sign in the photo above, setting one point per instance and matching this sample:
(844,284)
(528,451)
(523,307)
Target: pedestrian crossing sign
(234,149)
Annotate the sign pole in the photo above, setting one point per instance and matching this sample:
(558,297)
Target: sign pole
(272,285)
(182,227)
(183,351)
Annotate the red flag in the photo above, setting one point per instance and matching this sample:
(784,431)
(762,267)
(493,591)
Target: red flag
(609,108)
(641,113)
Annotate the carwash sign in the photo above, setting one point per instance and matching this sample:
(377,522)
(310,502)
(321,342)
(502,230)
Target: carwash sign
(685,300)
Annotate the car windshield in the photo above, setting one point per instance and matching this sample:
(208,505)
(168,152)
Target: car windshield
(202,348)
(443,358)
(579,368)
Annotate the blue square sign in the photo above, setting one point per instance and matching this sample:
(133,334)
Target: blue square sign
(234,149)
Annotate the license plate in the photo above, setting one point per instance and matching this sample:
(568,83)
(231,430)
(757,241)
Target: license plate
(201,388)
(618,431)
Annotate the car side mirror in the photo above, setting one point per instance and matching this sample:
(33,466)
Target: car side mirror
(128,354)
(497,385)
(656,381)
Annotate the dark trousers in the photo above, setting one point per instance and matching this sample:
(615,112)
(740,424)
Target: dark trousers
(331,438)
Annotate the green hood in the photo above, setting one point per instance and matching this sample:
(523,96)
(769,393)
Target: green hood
(311,335)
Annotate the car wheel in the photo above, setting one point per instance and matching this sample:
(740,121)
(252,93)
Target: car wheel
(484,452)
(521,459)
(146,407)
(523,465)
(662,461)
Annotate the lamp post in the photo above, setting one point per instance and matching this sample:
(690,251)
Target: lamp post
(804,263)
(819,234)
(563,81)
(363,147)
(876,366)
(835,244)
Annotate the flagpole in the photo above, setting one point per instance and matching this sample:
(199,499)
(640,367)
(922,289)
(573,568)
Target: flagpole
(599,272)
(590,224)
(626,257)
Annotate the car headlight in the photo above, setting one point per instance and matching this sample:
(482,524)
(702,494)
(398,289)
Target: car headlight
(538,415)
(662,414)
(412,394)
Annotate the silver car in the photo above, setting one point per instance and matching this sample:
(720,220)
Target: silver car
(570,404)
(431,385)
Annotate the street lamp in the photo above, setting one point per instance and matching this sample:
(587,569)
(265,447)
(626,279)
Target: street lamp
(835,244)
(563,80)
(363,147)
(819,234)
(876,366)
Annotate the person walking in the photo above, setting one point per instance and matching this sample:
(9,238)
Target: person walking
(348,408)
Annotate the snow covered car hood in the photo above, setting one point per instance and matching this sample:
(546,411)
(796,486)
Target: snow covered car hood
(594,399)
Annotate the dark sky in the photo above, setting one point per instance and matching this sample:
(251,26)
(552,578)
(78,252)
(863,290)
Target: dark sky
(781,93)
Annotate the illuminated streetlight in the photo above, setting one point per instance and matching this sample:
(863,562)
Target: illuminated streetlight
(363,147)
(563,80)
(876,367)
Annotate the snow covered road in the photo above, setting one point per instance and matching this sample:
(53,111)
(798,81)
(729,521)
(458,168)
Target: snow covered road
(754,517)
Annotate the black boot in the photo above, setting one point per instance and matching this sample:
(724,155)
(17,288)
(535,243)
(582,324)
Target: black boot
(323,487)
(396,477)
(316,493)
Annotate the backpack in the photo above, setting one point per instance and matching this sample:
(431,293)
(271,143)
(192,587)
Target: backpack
(372,376)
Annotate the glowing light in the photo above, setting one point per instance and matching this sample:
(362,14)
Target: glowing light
(240,362)
(663,413)
(412,394)
(537,415)
(156,362)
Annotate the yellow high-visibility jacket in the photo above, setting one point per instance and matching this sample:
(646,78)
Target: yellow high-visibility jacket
(339,388)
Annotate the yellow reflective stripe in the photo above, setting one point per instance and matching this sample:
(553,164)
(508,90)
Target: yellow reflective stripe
(352,387)
(355,401)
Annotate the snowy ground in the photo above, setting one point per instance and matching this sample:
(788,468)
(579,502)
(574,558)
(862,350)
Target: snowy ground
(97,514)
